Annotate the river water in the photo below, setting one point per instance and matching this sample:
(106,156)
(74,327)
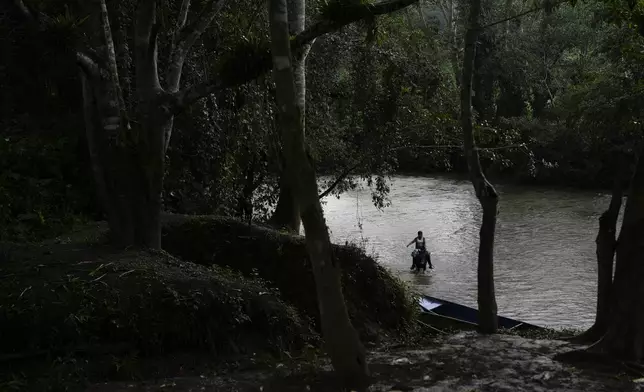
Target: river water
(545,268)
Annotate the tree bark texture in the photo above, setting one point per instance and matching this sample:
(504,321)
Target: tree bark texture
(127,156)
(624,338)
(341,339)
(485,192)
(287,213)
(606,241)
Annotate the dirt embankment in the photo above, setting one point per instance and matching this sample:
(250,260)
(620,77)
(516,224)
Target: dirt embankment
(75,309)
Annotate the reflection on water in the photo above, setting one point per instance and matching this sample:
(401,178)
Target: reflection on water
(545,269)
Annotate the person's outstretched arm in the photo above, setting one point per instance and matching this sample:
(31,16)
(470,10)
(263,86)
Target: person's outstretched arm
(412,241)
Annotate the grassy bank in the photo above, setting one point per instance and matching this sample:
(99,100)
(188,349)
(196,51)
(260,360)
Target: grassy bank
(75,308)
(378,302)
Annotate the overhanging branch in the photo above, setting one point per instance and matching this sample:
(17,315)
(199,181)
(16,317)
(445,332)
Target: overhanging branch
(351,14)
(263,63)
(338,180)
(524,13)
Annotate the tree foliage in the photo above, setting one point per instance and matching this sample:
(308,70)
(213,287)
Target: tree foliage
(554,88)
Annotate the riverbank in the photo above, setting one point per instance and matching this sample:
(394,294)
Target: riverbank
(569,184)
(76,310)
(459,362)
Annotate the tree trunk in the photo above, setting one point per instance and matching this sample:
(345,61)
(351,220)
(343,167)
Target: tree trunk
(127,160)
(606,245)
(341,339)
(485,192)
(287,214)
(624,338)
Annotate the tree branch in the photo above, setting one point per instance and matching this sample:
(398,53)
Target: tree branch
(154,34)
(183,16)
(261,63)
(186,36)
(189,34)
(26,12)
(338,180)
(89,66)
(35,19)
(351,14)
(524,13)
(145,37)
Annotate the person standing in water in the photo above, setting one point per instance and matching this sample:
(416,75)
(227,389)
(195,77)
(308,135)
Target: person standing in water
(421,252)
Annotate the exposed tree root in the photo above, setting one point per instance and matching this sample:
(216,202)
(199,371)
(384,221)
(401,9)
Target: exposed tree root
(590,336)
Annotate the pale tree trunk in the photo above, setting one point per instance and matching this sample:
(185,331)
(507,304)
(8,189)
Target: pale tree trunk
(183,40)
(606,245)
(287,214)
(341,339)
(485,192)
(624,338)
(128,158)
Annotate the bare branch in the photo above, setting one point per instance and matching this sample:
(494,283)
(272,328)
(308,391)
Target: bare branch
(263,63)
(339,179)
(35,19)
(192,32)
(146,47)
(87,65)
(26,13)
(110,52)
(183,15)
(524,13)
(154,34)
(186,36)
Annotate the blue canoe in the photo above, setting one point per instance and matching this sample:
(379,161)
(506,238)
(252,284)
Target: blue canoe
(445,314)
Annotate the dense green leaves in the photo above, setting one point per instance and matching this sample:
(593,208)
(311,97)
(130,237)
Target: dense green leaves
(558,90)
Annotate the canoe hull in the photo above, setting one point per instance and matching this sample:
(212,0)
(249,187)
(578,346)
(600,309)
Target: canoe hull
(445,314)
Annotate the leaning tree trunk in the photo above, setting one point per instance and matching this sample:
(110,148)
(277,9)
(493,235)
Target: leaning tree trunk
(624,338)
(485,192)
(287,213)
(341,339)
(606,245)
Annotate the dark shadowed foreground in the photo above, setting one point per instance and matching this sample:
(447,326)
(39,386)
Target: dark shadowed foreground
(222,295)
(461,362)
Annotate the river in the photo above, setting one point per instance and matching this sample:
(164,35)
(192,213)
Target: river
(545,268)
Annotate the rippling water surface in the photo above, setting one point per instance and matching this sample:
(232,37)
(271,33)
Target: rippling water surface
(545,269)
